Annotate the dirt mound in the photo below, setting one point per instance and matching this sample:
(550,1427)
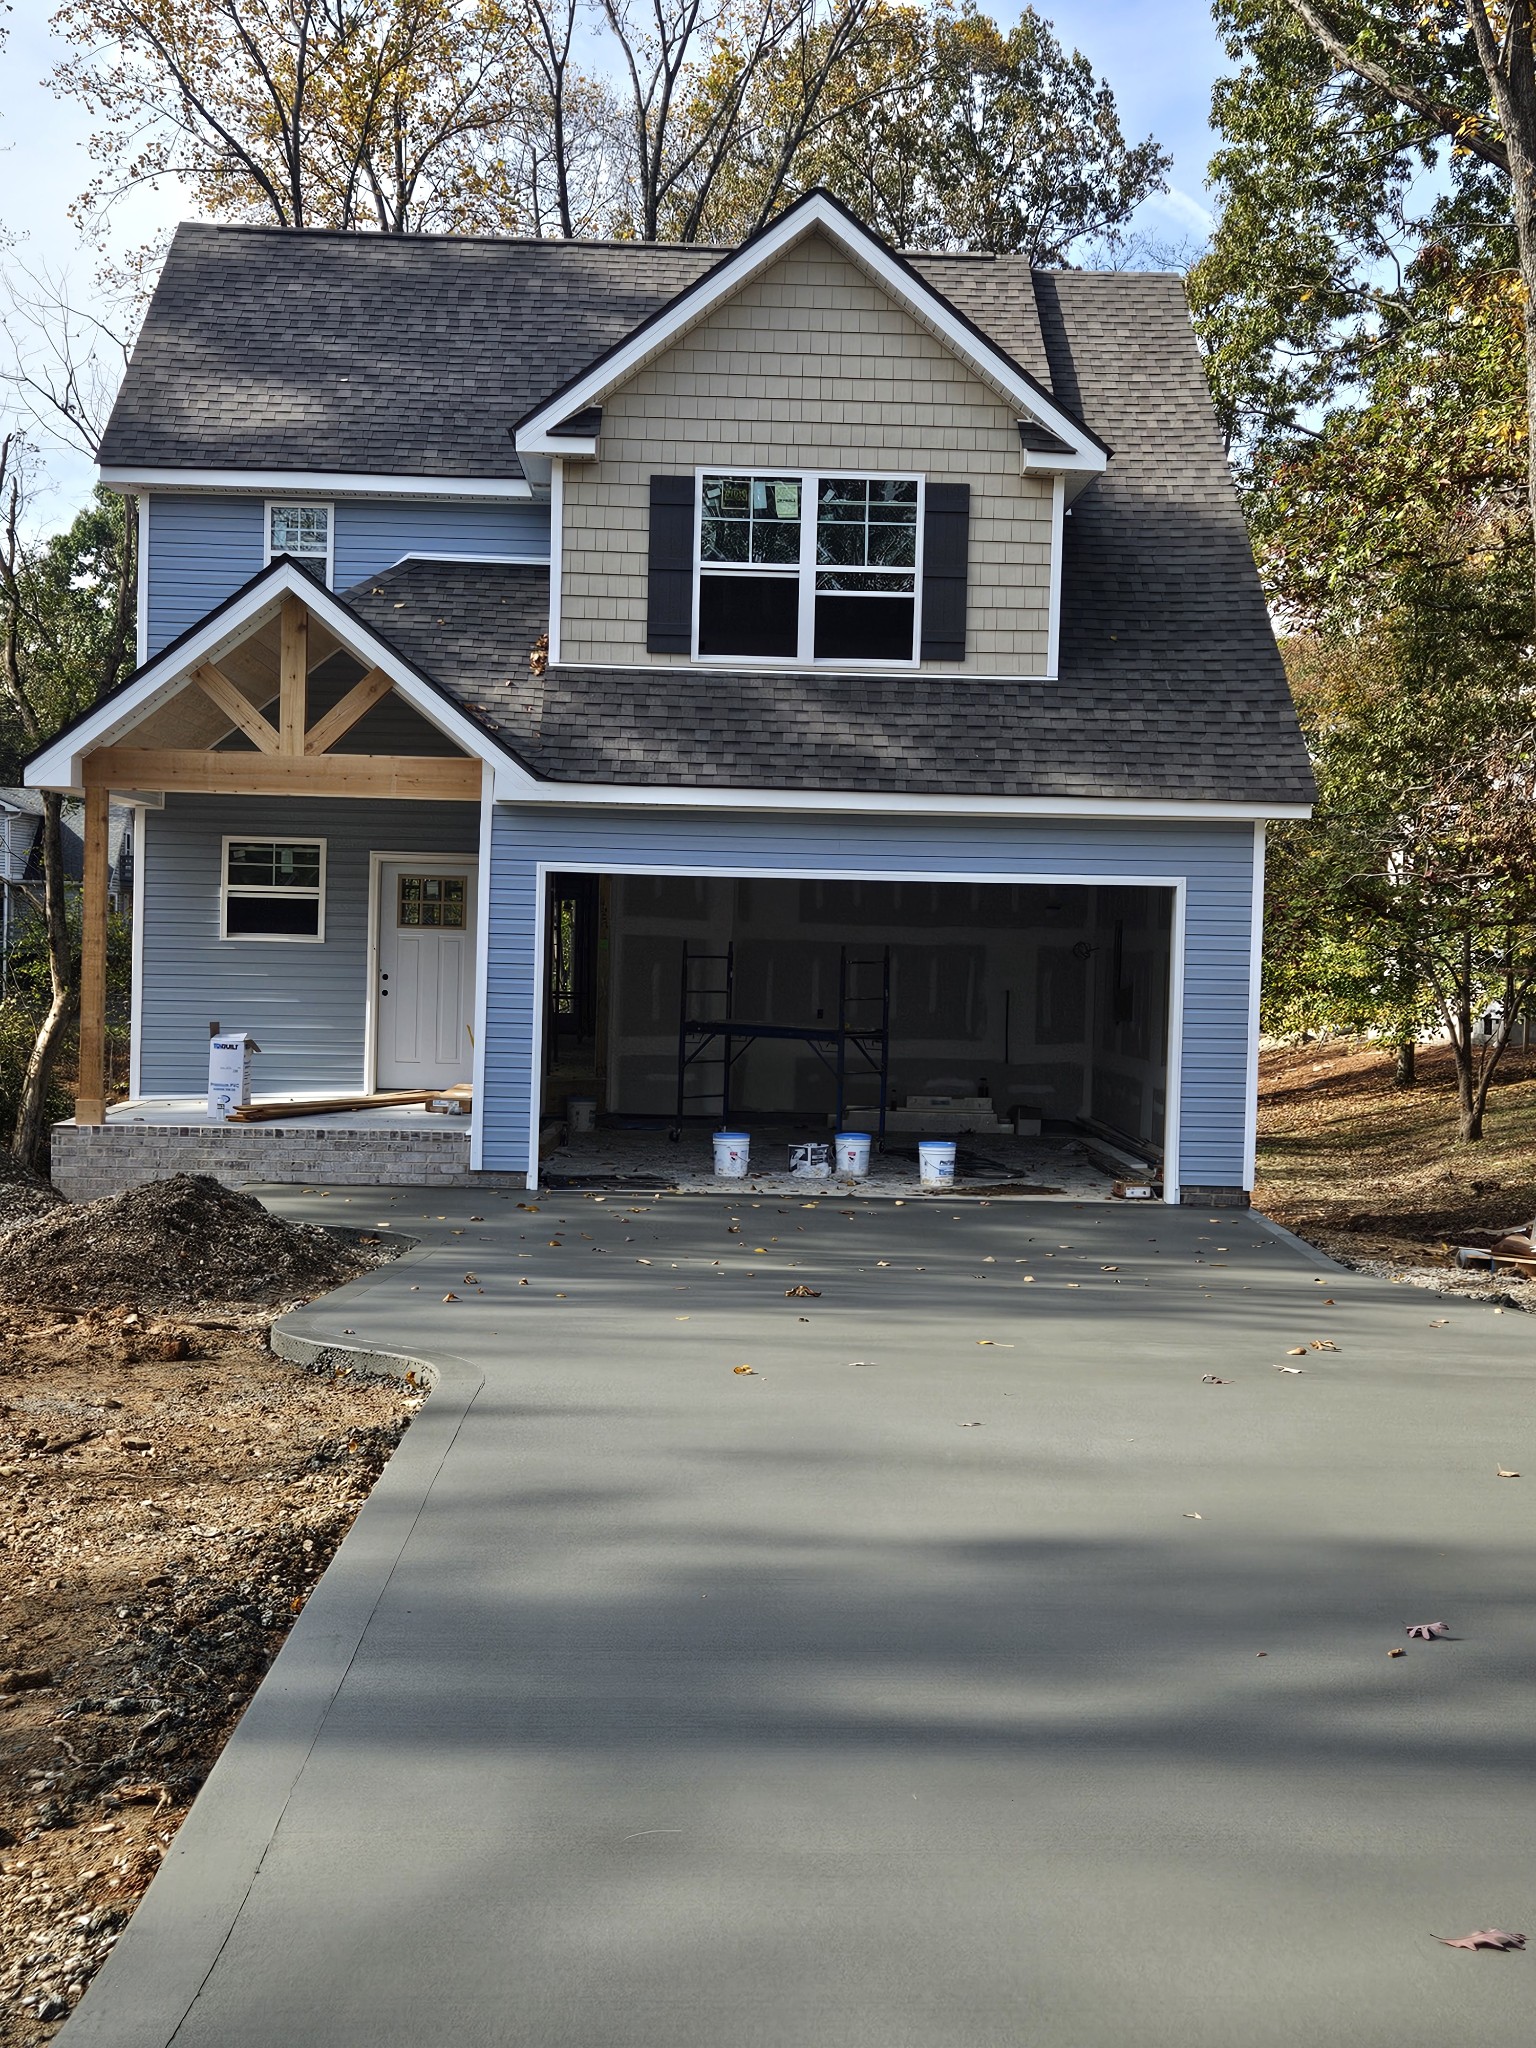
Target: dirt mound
(183,1243)
(23,1196)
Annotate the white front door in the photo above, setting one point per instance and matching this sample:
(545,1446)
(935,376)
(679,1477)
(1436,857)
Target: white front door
(426,972)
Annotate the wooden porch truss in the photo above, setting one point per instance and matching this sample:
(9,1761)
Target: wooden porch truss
(290,758)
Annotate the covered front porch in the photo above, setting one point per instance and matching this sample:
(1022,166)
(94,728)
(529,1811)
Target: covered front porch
(306,870)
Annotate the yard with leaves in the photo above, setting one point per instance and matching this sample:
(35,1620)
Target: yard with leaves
(1369,1170)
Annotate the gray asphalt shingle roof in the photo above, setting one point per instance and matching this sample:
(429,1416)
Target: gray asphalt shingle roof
(264,348)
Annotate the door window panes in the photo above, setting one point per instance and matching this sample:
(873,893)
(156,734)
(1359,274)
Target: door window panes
(432,903)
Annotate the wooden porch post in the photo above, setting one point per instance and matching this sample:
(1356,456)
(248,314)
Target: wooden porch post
(292,676)
(91,1089)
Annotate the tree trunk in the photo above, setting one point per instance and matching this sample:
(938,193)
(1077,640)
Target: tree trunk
(29,1139)
(1405,1074)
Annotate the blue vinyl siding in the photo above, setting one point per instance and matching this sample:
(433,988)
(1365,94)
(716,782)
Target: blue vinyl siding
(304,1003)
(1216,861)
(371,533)
(201,547)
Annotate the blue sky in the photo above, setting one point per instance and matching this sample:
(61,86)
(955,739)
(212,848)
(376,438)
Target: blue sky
(1160,56)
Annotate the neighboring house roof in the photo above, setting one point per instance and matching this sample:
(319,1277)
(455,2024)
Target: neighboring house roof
(416,355)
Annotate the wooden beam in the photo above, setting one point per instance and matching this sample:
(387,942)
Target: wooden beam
(430,777)
(237,707)
(341,718)
(292,675)
(91,1088)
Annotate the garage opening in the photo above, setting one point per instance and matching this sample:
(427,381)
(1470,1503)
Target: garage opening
(1028,1021)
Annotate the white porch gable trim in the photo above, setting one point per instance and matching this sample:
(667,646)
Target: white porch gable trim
(61,766)
(1083,456)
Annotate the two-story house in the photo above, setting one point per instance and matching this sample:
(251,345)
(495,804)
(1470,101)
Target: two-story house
(542,642)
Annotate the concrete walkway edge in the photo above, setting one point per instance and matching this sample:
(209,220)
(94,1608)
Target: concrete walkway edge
(149,1984)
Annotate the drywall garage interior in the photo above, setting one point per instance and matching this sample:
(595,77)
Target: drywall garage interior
(1055,997)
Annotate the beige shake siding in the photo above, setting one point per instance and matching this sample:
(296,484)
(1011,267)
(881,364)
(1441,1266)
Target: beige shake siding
(810,363)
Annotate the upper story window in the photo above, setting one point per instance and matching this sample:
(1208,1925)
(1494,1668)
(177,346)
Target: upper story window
(810,567)
(303,531)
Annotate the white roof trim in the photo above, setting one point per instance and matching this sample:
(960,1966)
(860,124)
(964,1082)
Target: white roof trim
(61,766)
(815,215)
(655,796)
(315,483)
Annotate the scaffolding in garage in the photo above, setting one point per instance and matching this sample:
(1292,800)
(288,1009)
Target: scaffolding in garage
(709,1045)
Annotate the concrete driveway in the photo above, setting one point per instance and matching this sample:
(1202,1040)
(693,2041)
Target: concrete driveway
(888,1696)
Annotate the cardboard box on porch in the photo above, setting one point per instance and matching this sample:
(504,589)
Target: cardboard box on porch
(229,1072)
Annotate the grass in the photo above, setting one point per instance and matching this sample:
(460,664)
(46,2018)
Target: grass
(1369,1169)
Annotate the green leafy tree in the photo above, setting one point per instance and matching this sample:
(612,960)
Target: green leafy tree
(66,635)
(937,126)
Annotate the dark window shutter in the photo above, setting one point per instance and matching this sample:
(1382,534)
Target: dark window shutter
(669,595)
(946,549)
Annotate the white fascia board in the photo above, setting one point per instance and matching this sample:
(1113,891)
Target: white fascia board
(61,766)
(813,215)
(313,483)
(674,797)
(580,446)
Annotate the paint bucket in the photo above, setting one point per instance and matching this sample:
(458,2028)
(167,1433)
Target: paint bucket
(853,1153)
(581,1113)
(731,1149)
(936,1162)
(811,1162)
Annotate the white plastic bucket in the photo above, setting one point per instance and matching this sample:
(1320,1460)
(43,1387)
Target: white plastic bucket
(936,1162)
(581,1112)
(811,1162)
(731,1149)
(853,1153)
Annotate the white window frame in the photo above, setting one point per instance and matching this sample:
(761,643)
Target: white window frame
(314,938)
(810,481)
(297,504)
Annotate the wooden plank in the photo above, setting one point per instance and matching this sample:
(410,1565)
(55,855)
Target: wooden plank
(430,778)
(292,675)
(237,708)
(330,1105)
(341,718)
(91,1088)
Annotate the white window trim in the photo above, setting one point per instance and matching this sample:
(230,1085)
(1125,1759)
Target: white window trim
(297,503)
(809,480)
(314,938)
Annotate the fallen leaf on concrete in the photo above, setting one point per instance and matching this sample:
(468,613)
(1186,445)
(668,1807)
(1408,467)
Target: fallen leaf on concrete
(970,1425)
(1324,1344)
(1439,1322)
(680,1319)
(1297,1351)
(1426,1631)
(1109,1269)
(521,1283)
(642,1262)
(1485,1937)
(471,1280)
(1211,1379)
(450,1297)
(983,1340)
(1191,1516)
(1290,1368)
(1397,1653)
(802,1293)
(1499,1469)
(741,1368)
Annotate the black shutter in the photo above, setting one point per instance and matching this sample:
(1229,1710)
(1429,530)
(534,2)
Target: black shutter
(946,548)
(669,595)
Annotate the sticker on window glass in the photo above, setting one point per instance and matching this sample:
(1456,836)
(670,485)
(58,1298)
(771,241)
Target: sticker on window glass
(432,902)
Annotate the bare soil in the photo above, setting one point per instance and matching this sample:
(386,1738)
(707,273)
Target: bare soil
(169,1494)
(1375,1174)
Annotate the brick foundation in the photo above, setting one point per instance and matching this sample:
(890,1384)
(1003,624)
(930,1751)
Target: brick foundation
(102,1159)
